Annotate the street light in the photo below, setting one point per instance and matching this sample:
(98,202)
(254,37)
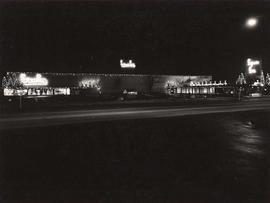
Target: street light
(251,22)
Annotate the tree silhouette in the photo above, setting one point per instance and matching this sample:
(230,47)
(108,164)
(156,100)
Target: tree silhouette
(11,81)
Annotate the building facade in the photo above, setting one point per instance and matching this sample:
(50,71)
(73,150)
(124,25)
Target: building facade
(86,84)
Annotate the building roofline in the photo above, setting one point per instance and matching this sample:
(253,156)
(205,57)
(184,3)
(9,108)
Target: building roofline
(106,74)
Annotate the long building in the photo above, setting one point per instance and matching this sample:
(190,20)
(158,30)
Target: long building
(86,84)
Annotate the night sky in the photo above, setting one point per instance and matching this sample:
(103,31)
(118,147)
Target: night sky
(206,38)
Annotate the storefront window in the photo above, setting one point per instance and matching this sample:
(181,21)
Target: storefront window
(36,91)
(91,83)
(14,92)
(62,91)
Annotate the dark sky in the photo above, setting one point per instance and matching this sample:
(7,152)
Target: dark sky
(162,37)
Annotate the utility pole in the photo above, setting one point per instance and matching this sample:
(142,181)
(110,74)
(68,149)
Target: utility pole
(239,93)
(20,101)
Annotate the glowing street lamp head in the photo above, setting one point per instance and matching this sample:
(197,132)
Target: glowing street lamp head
(251,22)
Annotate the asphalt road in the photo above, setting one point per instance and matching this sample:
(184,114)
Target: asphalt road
(23,120)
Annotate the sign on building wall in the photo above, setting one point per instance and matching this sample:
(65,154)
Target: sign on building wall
(253,66)
(37,80)
(127,64)
(253,70)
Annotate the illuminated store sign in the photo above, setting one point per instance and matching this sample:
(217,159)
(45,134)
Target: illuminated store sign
(33,81)
(129,64)
(251,64)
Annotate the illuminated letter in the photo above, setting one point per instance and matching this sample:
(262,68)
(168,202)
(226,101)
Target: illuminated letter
(251,64)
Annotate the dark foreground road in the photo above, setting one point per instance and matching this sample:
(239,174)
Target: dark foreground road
(209,158)
(82,116)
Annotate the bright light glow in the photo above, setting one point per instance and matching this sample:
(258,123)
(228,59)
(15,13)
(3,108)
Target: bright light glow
(208,83)
(251,22)
(62,91)
(251,64)
(33,81)
(8,92)
(258,83)
(132,93)
(92,83)
(170,84)
(129,64)
(38,75)
(13,92)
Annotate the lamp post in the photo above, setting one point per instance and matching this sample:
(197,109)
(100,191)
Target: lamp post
(254,67)
(20,104)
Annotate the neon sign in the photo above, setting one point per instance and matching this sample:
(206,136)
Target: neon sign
(129,64)
(251,64)
(33,81)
